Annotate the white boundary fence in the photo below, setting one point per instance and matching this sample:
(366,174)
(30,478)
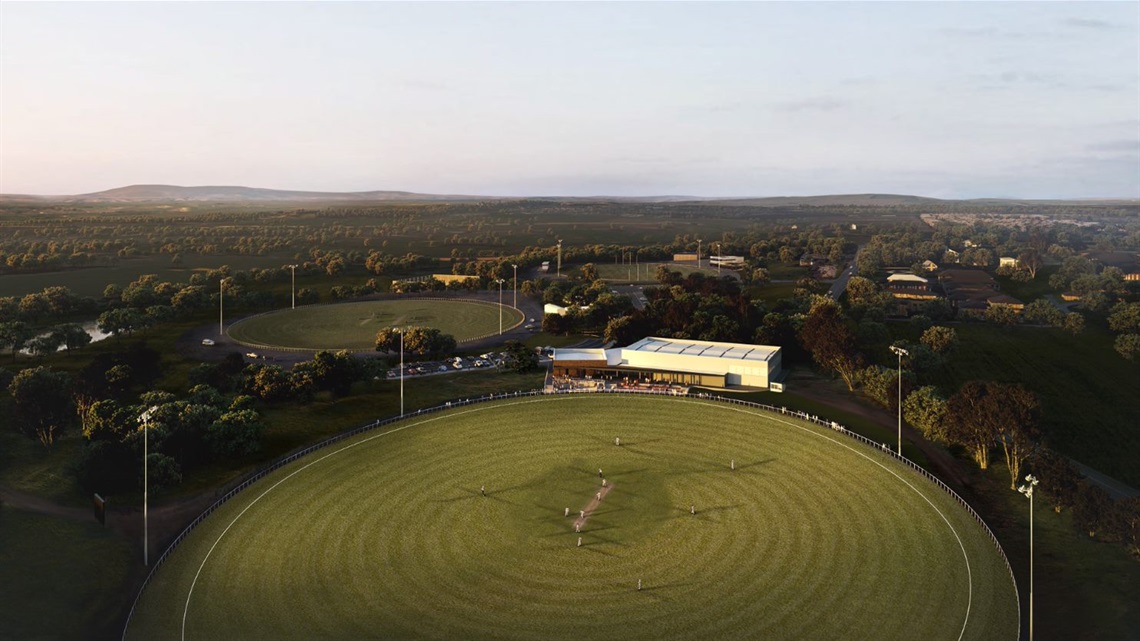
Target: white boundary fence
(252,477)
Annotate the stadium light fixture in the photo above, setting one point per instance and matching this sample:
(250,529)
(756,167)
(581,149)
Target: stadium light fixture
(401,332)
(1027,490)
(221,316)
(145,420)
(900,352)
(718,262)
(515,285)
(698,253)
(293,268)
(560,258)
(500,281)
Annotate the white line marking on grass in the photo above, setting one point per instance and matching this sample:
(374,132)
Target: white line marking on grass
(969,572)
(453,413)
(186,607)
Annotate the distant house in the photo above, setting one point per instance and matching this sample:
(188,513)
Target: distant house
(551,308)
(1132,276)
(930,265)
(1007,261)
(684,258)
(968,289)
(951,256)
(970,243)
(812,260)
(1070,297)
(1005,300)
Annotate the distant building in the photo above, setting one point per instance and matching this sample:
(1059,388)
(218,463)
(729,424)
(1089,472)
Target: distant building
(826,271)
(929,265)
(551,308)
(454,278)
(728,262)
(1007,261)
(1005,300)
(951,256)
(674,361)
(968,289)
(545,266)
(684,258)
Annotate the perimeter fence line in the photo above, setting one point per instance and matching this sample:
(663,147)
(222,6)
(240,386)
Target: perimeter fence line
(252,477)
(243,343)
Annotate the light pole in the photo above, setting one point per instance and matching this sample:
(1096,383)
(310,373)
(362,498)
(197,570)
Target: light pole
(901,352)
(515,286)
(500,281)
(718,256)
(1027,490)
(698,253)
(401,331)
(293,268)
(221,295)
(560,259)
(145,420)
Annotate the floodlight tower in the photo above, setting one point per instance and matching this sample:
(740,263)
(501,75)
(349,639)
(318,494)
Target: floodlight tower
(145,420)
(698,253)
(718,256)
(293,268)
(900,352)
(221,295)
(515,286)
(1027,490)
(401,332)
(560,258)
(500,281)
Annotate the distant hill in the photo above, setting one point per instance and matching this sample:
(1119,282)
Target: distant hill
(237,194)
(168,193)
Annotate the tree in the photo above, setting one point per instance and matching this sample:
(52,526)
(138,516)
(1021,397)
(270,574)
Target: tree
(1125,318)
(589,272)
(1030,261)
(1015,413)
(1042,312)
(984,414)
(966,423)
(14,335)
(45,344)
(926,410)
(940,339)
(1060,481)
(1074,323)
(831,342)
(235,434)
(1128,346)
(1002,315)
(72,335)
(43,403)
(520,358)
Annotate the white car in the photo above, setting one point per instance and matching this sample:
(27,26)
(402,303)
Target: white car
(207,342)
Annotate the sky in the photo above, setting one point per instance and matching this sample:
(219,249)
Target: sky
(948,100)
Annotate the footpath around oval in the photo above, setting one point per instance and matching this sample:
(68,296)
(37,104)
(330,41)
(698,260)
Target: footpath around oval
(586,516)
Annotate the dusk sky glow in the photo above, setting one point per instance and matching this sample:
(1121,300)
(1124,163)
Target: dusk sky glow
(950,100)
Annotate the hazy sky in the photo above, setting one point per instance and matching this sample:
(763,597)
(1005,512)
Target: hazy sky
(963,99)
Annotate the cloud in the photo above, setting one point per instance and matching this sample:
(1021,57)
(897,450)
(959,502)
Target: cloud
(812,104)
(1088,23)
(1132,146)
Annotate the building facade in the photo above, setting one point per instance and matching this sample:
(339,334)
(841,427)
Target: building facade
(675,361)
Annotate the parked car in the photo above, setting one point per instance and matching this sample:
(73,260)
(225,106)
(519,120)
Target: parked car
(207,342)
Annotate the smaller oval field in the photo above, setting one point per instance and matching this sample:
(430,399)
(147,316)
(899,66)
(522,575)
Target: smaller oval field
(354,325)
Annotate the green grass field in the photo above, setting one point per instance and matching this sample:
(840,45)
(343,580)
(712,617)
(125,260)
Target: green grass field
(629,273)
(354,325)
(59,579)
(387,536)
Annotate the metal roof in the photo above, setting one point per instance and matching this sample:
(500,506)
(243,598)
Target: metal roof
(708,349)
